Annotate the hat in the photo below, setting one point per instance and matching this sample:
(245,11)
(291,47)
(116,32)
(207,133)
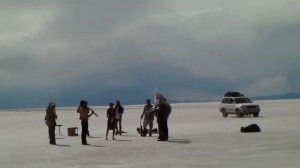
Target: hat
(52,104)
(161,98)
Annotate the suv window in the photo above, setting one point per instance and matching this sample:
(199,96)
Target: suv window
(242,100)
(227,100)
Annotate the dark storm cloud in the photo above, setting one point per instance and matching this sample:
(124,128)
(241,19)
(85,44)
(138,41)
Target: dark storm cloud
(104,50)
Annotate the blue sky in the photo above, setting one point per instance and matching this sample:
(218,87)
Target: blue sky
(101,51)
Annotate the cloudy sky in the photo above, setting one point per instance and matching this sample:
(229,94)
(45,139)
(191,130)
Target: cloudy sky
(100,50)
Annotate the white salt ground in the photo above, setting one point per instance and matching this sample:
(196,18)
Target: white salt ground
(199,137)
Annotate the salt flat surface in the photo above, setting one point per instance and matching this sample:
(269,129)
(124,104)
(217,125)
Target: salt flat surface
(199,137)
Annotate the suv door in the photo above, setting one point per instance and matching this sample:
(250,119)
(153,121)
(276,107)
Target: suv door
(228,105)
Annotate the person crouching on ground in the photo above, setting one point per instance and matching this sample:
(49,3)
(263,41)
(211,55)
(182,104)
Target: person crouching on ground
(50,121)
(111,120)
(163,111)
(85,114)
(149,117)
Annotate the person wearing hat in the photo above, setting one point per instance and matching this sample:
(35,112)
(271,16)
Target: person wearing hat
(162,110)
(148,112)
(50,119)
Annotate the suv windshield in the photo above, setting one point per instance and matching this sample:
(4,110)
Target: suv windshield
(242,100)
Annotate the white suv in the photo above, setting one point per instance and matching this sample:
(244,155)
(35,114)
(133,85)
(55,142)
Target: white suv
(238,104)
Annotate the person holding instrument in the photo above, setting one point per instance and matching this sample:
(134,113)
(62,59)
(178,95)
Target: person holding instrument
(84,112)
(148,112)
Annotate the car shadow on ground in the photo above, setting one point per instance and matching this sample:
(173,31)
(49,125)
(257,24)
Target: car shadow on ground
(245,116)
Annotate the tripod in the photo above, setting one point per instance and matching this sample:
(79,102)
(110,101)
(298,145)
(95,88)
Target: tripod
(59,132)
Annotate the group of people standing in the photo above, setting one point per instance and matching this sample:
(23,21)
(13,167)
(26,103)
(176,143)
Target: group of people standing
(114,118)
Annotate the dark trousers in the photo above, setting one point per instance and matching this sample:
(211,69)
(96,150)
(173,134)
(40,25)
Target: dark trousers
(167,129)
(119,126)
(51,131)
(84,125)
(163,131)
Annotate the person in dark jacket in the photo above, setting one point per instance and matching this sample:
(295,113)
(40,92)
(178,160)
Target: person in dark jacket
(50,119)
(119,113)
(111,120)
(149,117)
(163,110)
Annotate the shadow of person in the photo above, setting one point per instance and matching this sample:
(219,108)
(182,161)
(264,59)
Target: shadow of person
(63,145)
(123,140)
(94,137)
(180,141)
(97,146)
(59,138)
(130,135)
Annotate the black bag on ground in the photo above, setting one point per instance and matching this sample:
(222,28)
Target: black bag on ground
(251,128)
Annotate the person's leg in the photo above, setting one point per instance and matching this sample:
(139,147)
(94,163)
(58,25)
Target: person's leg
(107,128)
(144,130)
(120,126)
(116,127)
(144,123)
(84,132)
(160,131)
(52,135)
(49,132)
(158,127)
(106,133)
(113,135)
(164,131)
(150,127)
(87,130)
(167,129)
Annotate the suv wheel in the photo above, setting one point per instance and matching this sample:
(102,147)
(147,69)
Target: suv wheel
(238,113)
(224,113)
(255,114)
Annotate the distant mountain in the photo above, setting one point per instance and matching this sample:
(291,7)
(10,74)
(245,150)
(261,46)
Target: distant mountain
(278,97)
(270,97)
(189,101)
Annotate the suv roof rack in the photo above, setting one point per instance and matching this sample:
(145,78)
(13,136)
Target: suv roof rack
(233,94)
